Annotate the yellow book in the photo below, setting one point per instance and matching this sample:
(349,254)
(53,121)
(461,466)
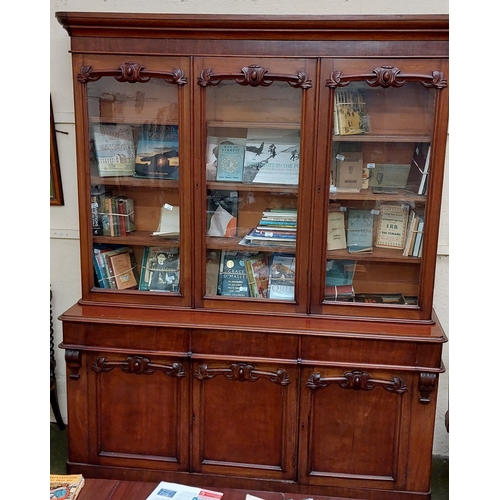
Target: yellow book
(67,486)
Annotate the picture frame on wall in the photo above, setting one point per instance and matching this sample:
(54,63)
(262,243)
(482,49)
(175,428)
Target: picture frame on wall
(56,193)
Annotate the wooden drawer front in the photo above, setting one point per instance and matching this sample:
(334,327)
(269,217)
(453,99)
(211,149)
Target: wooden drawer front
(244,344)
(245,419)
(354,427)
(139,409)
(353,351)
(138,338)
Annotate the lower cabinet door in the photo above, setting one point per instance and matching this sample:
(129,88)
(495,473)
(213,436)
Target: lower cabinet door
(245,419)
(139,411)
(354,427)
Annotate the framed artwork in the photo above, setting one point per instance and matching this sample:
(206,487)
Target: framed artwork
(56,194)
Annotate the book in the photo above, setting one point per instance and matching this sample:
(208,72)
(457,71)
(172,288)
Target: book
(158,152)
(233,280)
(160,269)
(388,177)
(169,222)
(66,486)
(359,230)
(380,298)
(107,255)
(272,157)
(349,170)
(114,149)
(222,212)
(339,292)
(257,267)
(350,114)
(96,219)
(339,272)
(411,232)
(230,161)
(175,491)
(123,273)
(419,168)
(336,237)
(417,247)
(212,264)
(282,276)
(392,226)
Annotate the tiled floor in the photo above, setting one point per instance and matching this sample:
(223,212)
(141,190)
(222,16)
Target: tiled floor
(59,453)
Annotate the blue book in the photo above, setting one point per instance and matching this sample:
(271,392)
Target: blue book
(230,161)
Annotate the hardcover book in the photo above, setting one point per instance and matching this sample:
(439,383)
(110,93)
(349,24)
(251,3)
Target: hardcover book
(233,280)
(114,150)
(257,267)
(282,277)
(359,230)
(160,269)
(272,157)
(158,152)
(66,486)
(419,169)
(392,225)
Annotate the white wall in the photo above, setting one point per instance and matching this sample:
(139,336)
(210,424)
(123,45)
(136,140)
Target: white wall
(64,244)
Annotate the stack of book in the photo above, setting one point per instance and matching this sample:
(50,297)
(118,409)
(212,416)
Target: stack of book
(112,215)
(338,280)
(115,267)
(276,227)
(414,235)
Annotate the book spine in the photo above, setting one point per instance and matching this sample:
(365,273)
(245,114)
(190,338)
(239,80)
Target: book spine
(258,233)
(96,218)
(122,217)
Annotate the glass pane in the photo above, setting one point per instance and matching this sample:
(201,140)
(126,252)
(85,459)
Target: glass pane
(135,167)
(252,173)
(380,161)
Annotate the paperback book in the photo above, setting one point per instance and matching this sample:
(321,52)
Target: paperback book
(158,152)
(359,230)
(392,225)
(66,486)
(350,114)
(257,267)
(282,277)
(230,160)
(222,212)
(233,280)
(272,157)
(160,269)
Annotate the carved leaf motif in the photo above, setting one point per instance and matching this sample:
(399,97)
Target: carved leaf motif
(138,365)
(357,380)
(242,372)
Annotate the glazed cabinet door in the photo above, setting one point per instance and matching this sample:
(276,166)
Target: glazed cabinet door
(118,393)
(383,127)
(354,427)
(245,419)
(134,178)
(255,166)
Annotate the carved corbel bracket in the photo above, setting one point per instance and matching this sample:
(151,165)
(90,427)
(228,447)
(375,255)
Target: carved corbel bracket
(426,385)
(357,380)
(132,72)
(255,76)
(73,359)
(242,372)
(387,76)
(138,365)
